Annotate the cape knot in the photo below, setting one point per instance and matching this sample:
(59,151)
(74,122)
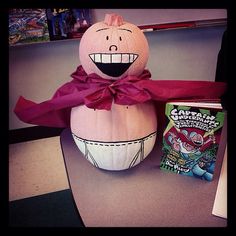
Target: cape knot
(111,88)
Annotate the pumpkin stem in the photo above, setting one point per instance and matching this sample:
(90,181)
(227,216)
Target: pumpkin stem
(113,19)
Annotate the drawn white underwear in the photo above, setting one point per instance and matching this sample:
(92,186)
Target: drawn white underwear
(116,155)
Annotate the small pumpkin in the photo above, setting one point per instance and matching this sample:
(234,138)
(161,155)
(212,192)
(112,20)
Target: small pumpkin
(113,48)
(122,137)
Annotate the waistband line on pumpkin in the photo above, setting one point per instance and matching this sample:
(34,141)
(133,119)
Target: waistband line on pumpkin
(115,143)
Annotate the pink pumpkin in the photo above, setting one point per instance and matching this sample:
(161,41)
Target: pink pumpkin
(123,136)
(113,49)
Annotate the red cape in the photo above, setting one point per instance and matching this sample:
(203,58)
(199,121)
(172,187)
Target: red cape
(98,93)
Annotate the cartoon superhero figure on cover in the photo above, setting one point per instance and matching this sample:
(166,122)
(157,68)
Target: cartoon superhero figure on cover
(192,147)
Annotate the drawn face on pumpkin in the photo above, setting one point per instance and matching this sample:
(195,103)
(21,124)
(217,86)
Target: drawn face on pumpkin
(114,50)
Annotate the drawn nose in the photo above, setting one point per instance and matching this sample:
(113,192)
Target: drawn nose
(113,48)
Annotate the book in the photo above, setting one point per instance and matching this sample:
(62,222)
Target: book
(191,138)
(27,26)
(67,23)
(220,202)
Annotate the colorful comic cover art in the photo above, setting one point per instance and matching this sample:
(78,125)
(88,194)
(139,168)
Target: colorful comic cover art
(67,23)
(27,26)
(191,140)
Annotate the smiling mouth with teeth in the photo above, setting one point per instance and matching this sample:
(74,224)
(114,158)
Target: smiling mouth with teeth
(113,64)
(198,143)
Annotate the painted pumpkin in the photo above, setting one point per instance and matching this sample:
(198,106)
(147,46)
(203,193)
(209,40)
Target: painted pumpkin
(123,136)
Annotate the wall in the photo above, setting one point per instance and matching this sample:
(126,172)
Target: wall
(37,70)
(189,54)
(159,16)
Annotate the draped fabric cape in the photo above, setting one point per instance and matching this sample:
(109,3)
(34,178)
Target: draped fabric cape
(99,93)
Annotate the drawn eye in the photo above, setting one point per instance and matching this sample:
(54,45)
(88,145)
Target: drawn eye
(120,39)
(107,37)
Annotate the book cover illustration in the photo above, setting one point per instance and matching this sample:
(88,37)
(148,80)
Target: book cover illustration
(191,140)
(27,26)
(67,23)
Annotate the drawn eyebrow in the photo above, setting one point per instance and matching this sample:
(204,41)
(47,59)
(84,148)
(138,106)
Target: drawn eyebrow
(102,29)
(125,29)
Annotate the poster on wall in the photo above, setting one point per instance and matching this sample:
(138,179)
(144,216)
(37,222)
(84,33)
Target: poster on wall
(67,23)
(27,26)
